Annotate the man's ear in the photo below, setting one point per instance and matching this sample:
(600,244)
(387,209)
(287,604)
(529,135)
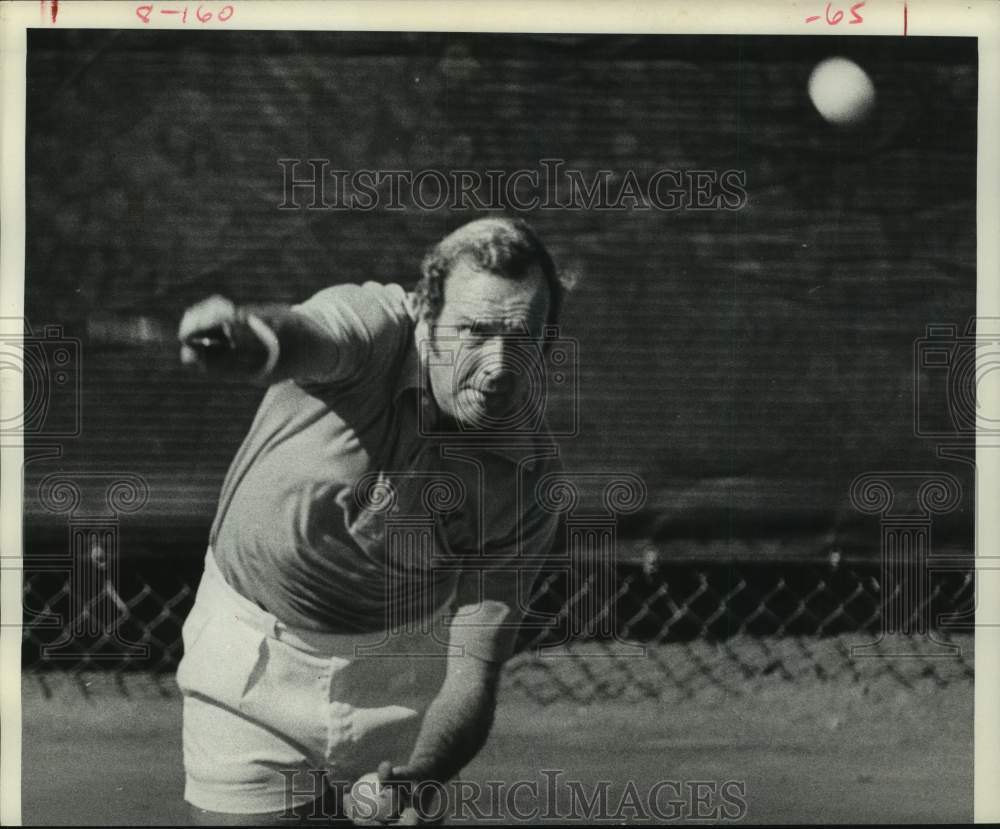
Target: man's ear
(426,333)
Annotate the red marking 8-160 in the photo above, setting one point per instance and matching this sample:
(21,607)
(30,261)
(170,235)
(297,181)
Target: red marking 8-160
(200,14)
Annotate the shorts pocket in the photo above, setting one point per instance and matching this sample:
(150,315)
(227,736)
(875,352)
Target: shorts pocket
(193,626)
(221,655)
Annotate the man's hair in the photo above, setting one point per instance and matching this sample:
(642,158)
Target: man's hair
(504,247)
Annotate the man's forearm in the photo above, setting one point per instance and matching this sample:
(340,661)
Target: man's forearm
(458,721)
(267,343)
(301,344)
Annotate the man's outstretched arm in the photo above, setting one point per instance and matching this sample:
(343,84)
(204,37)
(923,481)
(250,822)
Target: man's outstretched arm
(458,722)
(265,343)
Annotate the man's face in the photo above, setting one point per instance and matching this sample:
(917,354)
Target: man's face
(486,344)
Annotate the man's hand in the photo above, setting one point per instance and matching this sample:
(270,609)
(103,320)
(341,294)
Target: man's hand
(417,802)
(390,802)
(243,352)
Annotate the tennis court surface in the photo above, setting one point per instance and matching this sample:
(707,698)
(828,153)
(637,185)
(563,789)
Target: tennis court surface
(861,748)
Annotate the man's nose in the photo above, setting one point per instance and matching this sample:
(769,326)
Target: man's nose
(499,372)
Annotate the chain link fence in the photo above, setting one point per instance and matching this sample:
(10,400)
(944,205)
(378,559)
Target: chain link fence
(632,631)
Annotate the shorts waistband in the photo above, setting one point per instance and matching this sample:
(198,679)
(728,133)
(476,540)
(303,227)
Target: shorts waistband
(317,643)
(313,642)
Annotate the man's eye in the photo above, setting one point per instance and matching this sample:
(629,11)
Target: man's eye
(472,332)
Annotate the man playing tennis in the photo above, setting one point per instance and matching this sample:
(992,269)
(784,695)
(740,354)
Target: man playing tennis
(328,633)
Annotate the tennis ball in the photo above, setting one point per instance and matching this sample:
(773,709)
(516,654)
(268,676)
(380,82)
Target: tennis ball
(371,802)
(841,91)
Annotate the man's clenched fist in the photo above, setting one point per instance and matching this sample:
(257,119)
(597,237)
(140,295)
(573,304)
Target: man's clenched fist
(243,351)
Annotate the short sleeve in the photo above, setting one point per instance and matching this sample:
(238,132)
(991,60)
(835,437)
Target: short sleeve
(361,323)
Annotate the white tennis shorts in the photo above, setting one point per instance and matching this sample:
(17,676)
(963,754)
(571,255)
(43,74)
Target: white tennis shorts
(269,708)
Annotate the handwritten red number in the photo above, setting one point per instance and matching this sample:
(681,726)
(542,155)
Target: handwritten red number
(838,15)
(203,15)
